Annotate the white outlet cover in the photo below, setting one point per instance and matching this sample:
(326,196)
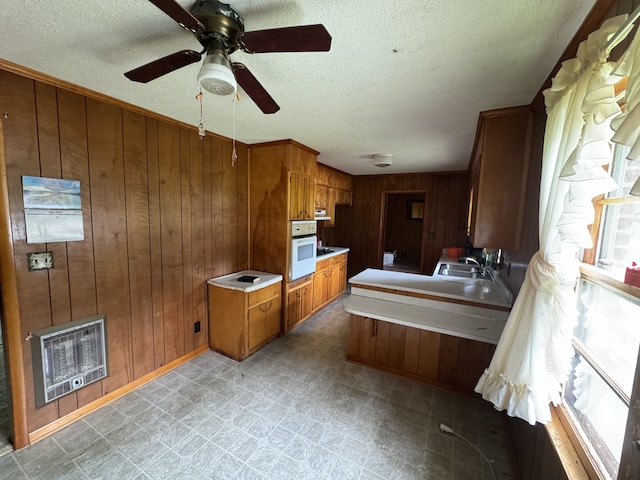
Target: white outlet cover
(39,260)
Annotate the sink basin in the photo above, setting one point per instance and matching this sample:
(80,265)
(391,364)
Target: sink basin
(461,271)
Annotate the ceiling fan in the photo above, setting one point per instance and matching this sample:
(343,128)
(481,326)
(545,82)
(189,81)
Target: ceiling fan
(220,30)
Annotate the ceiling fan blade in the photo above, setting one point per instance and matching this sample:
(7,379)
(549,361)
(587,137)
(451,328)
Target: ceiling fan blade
(179,14)
(305,38)
(163,65)
(254,89)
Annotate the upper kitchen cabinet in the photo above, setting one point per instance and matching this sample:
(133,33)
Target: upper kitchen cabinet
(333,187)
(498,171)
(281,188)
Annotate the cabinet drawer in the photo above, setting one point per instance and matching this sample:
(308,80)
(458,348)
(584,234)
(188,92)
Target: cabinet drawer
(322,265)
(337,260)
(258,296)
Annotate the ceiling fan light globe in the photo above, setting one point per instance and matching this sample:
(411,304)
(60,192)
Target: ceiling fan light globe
(216,76)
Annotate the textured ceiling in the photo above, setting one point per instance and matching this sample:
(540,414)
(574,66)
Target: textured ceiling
(402,77)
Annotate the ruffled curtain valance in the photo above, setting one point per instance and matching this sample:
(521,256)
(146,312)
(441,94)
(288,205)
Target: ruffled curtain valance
(533,356)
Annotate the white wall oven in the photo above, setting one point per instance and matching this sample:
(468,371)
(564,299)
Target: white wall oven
(303,248)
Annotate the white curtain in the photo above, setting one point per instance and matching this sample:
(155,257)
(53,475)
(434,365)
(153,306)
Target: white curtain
(533,356)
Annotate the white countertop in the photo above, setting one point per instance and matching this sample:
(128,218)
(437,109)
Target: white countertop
(231,281)
(336,251)
(485,292)
(473,323)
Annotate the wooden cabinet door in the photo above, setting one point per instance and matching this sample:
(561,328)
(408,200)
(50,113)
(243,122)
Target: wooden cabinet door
(308,198)
(296,197)
(499,172)
(342,274)
(306,300)
(320,280)
(334,282)
(256,333)
(294,307)
(321,196)
(331,207)
(272,318)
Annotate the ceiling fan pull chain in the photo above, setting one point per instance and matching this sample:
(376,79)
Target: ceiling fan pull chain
(201,131)
(234,153)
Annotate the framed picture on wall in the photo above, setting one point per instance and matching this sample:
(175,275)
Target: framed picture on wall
(415,210)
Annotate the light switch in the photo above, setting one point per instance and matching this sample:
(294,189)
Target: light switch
(39,260)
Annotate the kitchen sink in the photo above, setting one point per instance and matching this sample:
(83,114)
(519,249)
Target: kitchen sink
(461,271)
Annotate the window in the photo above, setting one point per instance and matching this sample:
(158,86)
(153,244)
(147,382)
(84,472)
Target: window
(606,339)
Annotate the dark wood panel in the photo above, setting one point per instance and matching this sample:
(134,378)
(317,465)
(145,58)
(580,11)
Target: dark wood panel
(171,239)
(198,286)
(104,127)
(229,210)
(429,354)
(80,259)
(147,199)
(155,242)
(448,359)
(397,340)
(138,245)
(217,208)
(17,99)
(242,212)
(382,334)
(360,229)
(187,247)
(49,145)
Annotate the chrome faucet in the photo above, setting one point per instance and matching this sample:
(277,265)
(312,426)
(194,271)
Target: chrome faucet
(474,261)
(466,260)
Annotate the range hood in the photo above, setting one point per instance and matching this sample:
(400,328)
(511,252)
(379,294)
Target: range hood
(321,214)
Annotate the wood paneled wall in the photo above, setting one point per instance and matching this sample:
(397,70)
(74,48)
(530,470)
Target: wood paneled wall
(163,212)
(359,226)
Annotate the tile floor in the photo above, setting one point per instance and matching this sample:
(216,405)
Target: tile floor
(294,410)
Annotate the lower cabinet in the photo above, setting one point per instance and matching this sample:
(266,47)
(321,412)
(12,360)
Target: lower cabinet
(330,280)
(442,360)
(241,322)
(299,304)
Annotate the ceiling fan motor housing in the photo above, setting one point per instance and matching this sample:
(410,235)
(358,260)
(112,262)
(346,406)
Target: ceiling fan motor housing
(221,23)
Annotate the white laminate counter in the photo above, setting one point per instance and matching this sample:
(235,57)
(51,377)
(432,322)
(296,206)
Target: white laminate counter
(483,292)
(336,251)
(231,281)
(460,308)
(473,323)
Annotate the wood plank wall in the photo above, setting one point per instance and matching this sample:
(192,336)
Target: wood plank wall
(358,227)
(163,211)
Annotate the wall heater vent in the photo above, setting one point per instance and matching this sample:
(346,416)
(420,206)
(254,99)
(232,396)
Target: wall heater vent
(67,357)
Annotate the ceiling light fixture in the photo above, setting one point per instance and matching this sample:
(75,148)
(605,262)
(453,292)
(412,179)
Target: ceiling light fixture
(382,159)
(216,75)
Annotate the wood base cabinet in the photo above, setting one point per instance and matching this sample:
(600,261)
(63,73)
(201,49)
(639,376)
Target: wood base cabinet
(299,305)
(329,281)
(437,359)
(240,322)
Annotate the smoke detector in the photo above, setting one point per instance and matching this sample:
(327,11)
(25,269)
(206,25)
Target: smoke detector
(382,159)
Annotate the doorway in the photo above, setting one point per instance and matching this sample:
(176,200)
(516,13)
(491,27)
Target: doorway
(403,230)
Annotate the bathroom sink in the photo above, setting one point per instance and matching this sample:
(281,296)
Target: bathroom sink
(461,271)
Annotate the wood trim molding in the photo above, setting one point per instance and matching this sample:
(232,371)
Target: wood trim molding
(52,427)
(11,310)
(601,277)
(568,455)
(56,82)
